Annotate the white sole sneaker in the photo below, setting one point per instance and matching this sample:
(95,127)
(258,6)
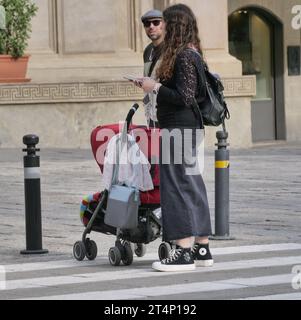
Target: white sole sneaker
(158,266)
(204,263)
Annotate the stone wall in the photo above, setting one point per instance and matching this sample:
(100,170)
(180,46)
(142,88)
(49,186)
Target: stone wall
(80,51)
(64,114)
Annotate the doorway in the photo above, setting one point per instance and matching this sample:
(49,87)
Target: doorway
(256,38)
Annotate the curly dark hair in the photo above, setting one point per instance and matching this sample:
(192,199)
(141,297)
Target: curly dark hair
(181,32)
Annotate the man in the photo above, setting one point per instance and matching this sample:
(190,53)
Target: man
(153,25)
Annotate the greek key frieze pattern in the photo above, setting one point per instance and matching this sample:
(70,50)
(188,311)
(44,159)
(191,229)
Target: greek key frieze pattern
(68,92)
(240,87)
(100,92)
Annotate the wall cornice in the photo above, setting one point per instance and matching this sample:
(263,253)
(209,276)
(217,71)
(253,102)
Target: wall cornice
(240,86)
(68,92)
(39,93)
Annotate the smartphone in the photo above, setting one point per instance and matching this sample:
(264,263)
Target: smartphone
(130,78)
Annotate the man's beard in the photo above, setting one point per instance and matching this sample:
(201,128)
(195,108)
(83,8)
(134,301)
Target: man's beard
(154,37)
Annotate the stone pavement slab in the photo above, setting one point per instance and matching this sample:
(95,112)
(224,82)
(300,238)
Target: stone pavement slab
(265,195)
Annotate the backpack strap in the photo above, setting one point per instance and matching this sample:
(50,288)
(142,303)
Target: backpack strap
(206,72)
(198,114)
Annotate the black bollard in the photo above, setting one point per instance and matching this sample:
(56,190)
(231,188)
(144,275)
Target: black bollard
(32,188)
(222,185)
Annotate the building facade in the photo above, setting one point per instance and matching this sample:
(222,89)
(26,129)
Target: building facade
(81,50)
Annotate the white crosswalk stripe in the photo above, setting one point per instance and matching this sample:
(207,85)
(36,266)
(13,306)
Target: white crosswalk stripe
(23,280)
(144,273)
(285,296)
(215,251)
(141,293)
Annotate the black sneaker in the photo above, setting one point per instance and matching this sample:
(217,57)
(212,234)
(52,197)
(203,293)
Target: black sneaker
(202,255)
(180,260)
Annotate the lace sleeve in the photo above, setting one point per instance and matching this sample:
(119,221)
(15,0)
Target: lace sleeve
(184,83)
(186,77)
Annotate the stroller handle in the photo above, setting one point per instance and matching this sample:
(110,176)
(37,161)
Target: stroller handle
(130,115)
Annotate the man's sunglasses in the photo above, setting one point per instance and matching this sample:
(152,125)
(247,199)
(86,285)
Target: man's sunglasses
(147,24)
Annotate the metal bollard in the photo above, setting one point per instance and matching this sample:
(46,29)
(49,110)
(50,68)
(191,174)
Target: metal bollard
(222,177)
(32,190)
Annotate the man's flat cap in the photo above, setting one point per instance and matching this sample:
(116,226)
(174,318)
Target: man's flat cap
(152,14)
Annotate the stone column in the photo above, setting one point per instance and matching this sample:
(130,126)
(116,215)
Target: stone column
(212,19)
(43,38)
(86,40)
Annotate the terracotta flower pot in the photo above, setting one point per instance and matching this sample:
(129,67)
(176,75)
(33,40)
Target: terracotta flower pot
(13,70)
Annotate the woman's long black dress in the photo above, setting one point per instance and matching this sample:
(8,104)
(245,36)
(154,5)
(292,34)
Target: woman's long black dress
(184,203)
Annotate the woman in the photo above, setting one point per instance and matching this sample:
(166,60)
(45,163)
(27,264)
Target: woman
(185,210)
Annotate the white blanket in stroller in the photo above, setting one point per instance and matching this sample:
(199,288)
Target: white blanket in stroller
(133,167)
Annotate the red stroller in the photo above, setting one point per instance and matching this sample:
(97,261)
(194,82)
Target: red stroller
(93,208)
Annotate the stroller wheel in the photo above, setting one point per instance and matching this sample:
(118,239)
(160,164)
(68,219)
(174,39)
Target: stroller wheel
(114,256)
(91,249)
(128,257)
(79,251)
(164,250)
(140,250)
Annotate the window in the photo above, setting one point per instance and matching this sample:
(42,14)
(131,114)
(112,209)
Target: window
(250,41)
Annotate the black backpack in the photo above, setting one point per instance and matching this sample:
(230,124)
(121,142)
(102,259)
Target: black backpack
(213,109)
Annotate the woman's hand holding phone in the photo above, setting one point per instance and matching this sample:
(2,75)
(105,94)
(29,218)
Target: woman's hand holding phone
(146,83)
(137,81)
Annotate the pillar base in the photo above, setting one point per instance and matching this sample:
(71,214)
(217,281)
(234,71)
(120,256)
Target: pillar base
(221,238)
(27,252)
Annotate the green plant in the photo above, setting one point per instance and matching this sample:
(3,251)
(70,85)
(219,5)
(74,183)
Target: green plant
(18,14)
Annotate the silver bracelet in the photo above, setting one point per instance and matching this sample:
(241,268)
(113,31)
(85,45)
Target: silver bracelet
(156,88)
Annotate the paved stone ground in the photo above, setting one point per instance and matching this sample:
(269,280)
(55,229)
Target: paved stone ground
(265,198)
